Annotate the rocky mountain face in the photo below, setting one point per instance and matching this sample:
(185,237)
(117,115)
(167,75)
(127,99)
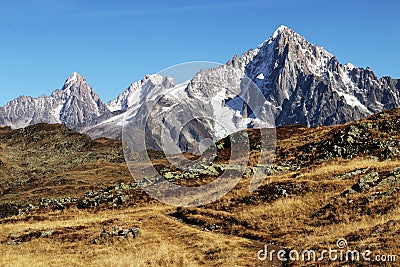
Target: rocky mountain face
(307,85)
(134,97)
(299,82)
(75,105)
(129,97)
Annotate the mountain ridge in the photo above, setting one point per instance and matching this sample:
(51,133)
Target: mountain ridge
(76,105)
(302,82)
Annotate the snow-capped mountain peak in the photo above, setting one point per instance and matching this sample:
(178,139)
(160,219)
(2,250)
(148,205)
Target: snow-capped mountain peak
(75,105)
(73,78)
(131,96)
(75,81)
(278,31)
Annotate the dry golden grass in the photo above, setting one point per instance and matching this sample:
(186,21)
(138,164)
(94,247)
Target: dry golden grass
(163,241)
(337,167)
(288,221)
(244,227)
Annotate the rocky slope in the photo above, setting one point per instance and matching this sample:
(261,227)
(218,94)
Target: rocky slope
(52,161)
(308,85)
(305,84)
(132,98)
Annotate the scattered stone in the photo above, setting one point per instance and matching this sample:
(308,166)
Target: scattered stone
(353,140)
(15,239)
(105,235)
(352,173)
(113,196)
(211,228)
(57,203)
(9,209)
(11,242)
(47,233)
(368,181)
(374,187)
(96,241)
(396,173)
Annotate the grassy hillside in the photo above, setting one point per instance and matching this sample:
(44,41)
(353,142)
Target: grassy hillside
(326,183)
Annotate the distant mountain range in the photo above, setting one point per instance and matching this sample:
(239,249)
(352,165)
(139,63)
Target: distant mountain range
(301,82)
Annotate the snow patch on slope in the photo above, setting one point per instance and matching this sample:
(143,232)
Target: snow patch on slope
(56,112)
(352,100)
(279,31)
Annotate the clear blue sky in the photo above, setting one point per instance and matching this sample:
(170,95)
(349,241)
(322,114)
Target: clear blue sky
(113,43)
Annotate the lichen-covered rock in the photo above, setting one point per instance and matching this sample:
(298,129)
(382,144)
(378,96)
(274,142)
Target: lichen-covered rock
(396,173)
(113,196)
(57,203)
(351,174)
(116,232)
(366,182)
(9,209)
